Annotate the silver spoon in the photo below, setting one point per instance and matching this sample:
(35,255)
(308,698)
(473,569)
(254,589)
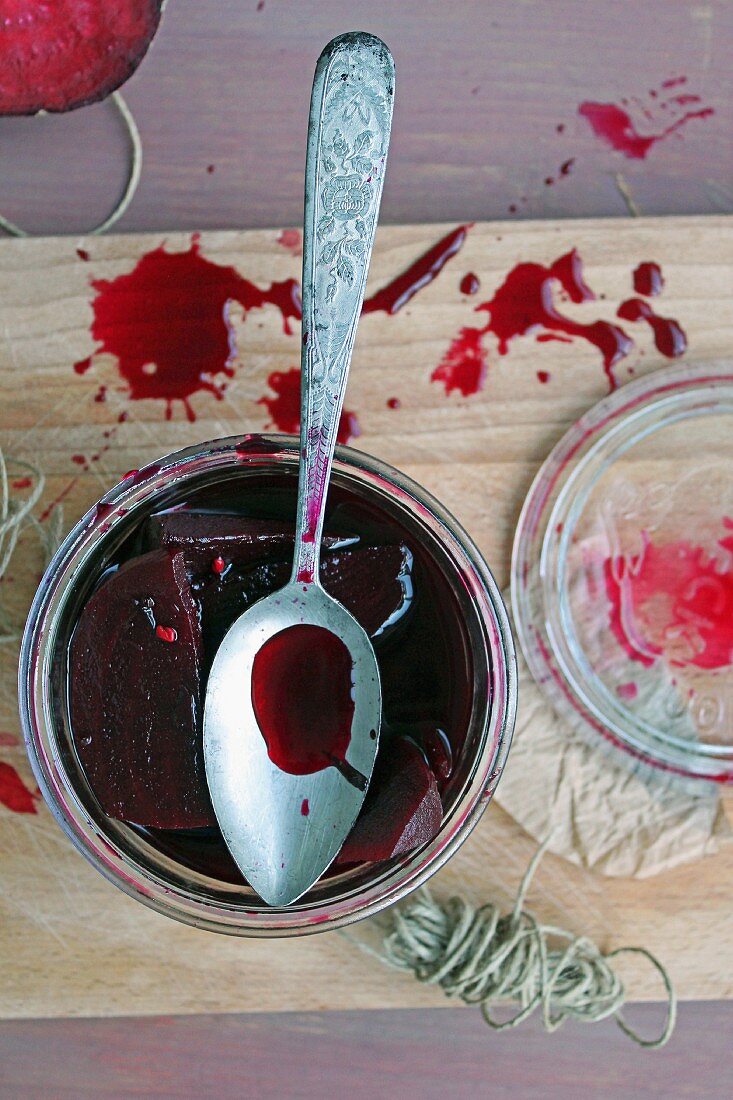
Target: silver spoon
(284,829)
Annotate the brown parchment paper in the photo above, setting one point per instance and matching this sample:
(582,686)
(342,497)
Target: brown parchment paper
(600,808)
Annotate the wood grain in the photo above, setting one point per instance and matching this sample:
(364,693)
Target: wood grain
(424,1054)
(70,944)
(481,90)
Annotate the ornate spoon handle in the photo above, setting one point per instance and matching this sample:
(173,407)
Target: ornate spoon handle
(348,138)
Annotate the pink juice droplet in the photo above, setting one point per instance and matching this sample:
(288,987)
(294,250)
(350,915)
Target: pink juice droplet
(627,691)
(613,124)
(648,279)
(673,601)
(669,336)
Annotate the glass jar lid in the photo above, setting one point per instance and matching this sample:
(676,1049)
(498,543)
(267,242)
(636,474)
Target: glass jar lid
(622,571)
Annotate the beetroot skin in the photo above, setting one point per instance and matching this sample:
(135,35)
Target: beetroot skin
(136,696)
(62,55)
(402,809)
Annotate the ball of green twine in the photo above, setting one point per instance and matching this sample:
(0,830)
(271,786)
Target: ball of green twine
(486,958)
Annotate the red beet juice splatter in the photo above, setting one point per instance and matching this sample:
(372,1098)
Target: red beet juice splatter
(292,240)
(552,337)
(669,336)
(397,293)
(14,794)
(648,279)
(284,406)
(673,601)
(522,305)
(470,283)
(464,365)
(167,323)
(614,125)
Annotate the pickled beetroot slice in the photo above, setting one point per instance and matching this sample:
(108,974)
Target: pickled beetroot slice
(402,809)
(61,55)
(136,696)
(237,540)
(433,742)
(374,583)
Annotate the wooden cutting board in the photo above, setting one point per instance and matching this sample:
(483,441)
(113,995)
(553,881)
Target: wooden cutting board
(71,944)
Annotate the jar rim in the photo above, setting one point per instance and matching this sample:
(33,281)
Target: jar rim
(99,527)
(592,450)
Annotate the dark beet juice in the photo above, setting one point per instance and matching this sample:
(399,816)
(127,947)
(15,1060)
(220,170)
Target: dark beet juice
(145,639)
(302,697)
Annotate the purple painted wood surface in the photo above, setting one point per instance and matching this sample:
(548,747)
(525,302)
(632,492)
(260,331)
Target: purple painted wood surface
(482,90)
(431,1055)
(487,110)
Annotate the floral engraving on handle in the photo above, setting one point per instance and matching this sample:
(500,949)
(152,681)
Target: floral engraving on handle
(355,121)
(348,141)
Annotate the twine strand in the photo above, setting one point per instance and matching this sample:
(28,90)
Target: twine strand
(486,958)
(14,511)
(133,179)
(16,514)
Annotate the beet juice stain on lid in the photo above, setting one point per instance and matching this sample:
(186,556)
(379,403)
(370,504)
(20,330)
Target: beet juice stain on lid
(628,624)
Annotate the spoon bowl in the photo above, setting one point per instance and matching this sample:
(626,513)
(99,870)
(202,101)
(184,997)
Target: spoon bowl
(261,807)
